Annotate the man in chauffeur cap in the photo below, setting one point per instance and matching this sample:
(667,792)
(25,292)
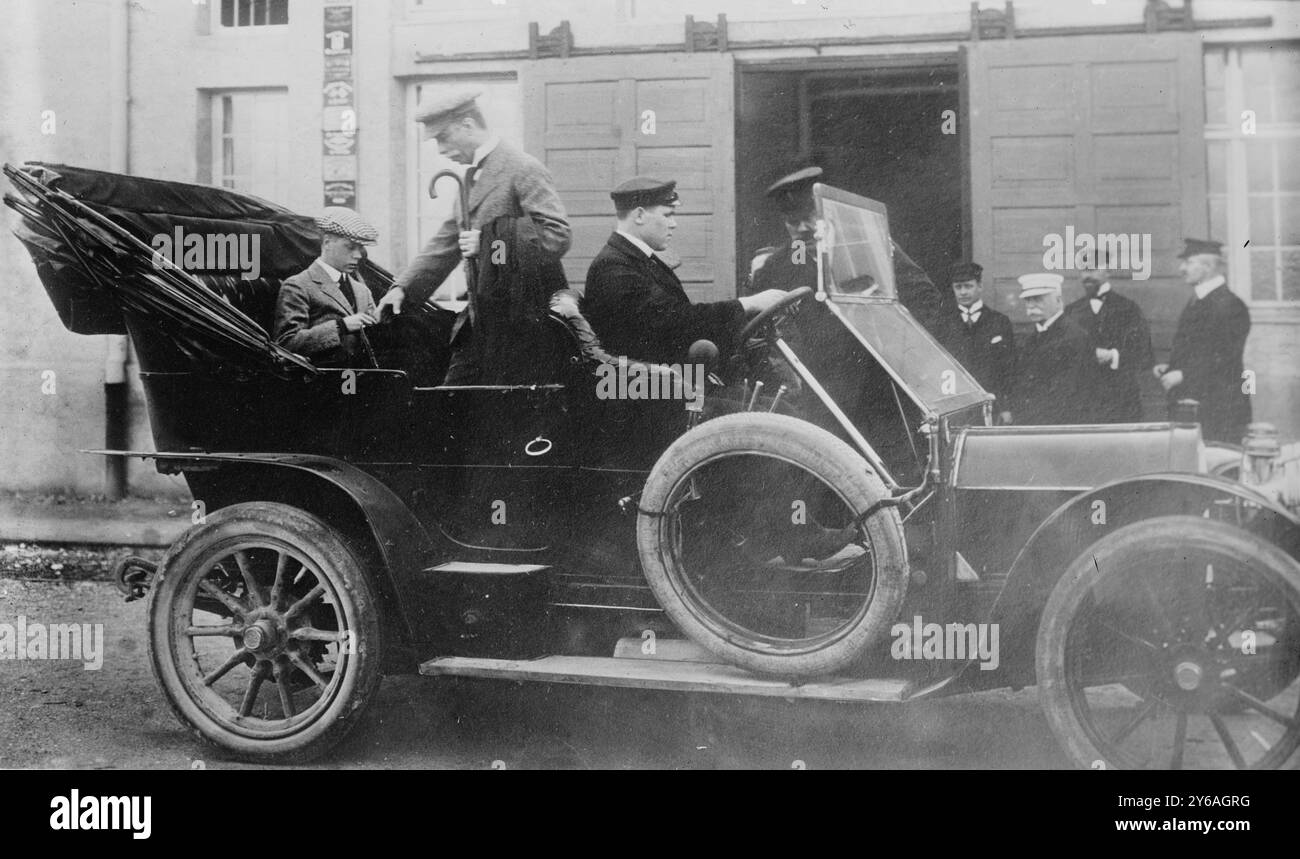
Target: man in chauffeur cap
(793,263)
(636,303)
(983,338)
(322,313)
(1205,363)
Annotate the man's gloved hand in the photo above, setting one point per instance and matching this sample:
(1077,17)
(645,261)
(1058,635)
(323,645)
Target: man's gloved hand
(357,321)
(469,242)
(393,299)
(764,300)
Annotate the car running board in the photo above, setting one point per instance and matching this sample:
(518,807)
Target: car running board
(666,674)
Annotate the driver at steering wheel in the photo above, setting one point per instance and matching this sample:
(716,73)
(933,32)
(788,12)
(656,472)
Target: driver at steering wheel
(634,300)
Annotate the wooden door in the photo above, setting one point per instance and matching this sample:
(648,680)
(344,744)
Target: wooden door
(597,121)
(1102,133)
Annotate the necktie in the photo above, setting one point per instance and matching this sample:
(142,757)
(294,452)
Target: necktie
(346,288)
(968,317)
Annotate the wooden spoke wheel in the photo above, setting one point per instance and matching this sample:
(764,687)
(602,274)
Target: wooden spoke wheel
(264,633)
(1175,643)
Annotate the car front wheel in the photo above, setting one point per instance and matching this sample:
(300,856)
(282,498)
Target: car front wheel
(1174,643)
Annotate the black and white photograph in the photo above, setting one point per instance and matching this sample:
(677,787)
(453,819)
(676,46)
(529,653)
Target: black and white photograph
(638,385)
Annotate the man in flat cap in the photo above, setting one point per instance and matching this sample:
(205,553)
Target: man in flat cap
(1205,363)
(793,263)
(983,339)
(1048,383)
(1121,347)
(322,313)
(503,182)
(635,302)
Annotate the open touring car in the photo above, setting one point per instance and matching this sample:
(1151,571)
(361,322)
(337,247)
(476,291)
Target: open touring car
(863,536)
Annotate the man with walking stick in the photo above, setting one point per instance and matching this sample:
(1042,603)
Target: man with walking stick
(502,181)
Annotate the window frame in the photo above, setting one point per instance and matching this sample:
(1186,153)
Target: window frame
(216,149)
(1237,192)
(215,25)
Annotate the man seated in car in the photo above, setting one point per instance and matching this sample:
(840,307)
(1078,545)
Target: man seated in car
(636,303)
(322,313)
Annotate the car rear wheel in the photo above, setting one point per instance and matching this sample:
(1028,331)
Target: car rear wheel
(1174,643)
(264,633)
(751,537)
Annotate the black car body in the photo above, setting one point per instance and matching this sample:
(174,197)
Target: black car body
(545,532)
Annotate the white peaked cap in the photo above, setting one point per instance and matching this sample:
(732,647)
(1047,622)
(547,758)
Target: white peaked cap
(1040,284)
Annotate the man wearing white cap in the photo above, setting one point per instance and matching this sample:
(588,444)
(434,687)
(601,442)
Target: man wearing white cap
(1048,386)
(322,313)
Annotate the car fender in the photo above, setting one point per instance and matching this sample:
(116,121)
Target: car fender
(1085,519)
(400,542)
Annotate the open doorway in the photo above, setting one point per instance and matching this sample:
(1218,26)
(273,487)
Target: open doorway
(877,128)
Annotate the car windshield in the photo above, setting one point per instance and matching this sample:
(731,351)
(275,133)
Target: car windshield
(858,272)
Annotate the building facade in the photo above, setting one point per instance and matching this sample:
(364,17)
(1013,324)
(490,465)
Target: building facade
(986,131)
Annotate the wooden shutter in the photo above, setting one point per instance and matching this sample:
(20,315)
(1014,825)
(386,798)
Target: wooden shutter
(584,118)
(1104,133)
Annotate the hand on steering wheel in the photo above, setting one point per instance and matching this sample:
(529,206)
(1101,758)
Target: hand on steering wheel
(769,316)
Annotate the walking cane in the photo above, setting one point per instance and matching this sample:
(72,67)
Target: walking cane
(471,263)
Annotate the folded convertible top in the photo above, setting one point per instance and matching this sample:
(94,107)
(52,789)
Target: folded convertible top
(91,233)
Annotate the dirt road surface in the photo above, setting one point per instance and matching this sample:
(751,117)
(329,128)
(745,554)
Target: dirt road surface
(59,715)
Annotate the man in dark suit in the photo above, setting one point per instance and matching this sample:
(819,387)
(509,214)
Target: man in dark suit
(322,313)
(983,340)
(1121,349)
(635,302)
(503,182)
(1205,363)
(792,261)
(1048,383)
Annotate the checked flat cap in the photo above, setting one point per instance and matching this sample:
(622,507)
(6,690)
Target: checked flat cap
(642,191)
(342,221)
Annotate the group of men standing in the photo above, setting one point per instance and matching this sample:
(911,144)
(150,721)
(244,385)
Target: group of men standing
(1084,362)
(1080,364)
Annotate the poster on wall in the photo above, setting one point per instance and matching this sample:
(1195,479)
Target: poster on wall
(339,113)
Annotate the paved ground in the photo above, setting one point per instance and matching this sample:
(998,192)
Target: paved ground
(55,714)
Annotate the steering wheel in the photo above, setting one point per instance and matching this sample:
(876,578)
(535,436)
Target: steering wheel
(784,307)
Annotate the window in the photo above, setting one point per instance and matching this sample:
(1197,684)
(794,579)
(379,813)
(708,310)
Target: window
(250,149)
(254,13)
(1252,133)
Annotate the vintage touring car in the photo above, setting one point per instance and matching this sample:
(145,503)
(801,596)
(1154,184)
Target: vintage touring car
(861,534)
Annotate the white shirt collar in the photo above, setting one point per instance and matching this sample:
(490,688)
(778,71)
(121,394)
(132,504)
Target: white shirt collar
(645,248)
(1105,288)
(1043,326)
(1206,287)
(973,310)
(334,274)
(486,149)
